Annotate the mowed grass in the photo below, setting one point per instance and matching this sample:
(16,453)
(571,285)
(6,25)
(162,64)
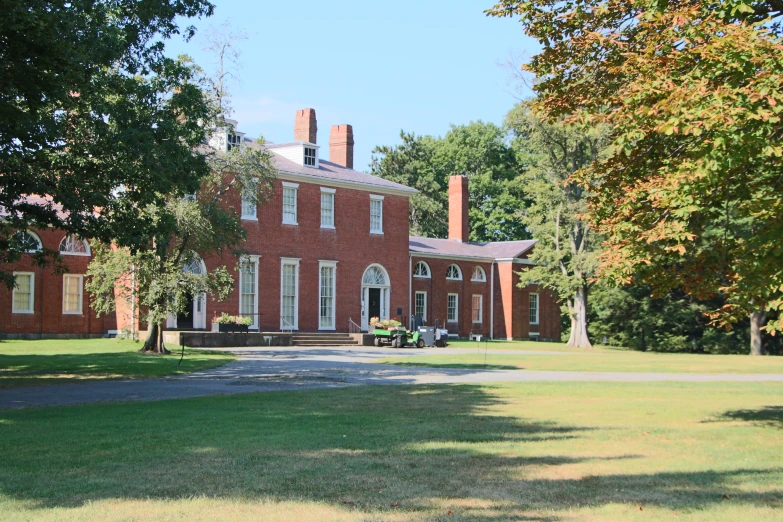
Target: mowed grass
(56,361)
(598,360)
(523,451)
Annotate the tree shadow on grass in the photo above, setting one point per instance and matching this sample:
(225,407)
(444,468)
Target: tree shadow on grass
(39,369)
(377,448)
(771,416)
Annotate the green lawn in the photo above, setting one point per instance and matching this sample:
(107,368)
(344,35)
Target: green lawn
(527,451)
(54,361)
(529,346)
(595,361)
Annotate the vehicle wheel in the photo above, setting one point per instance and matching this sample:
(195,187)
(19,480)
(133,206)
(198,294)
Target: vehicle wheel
(377,341)
(420,344)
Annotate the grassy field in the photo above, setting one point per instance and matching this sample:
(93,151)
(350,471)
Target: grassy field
(28,363)
(596,360)
(544,451)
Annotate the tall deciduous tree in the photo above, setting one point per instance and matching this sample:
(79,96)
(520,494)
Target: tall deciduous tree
(198,224)
(693,91)
(94,117)
(478,150)
(566,247)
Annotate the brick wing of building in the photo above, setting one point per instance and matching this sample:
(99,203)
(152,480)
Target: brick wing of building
(327,252)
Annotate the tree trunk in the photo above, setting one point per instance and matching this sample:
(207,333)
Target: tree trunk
(578,337)
(756,322)
(154,341)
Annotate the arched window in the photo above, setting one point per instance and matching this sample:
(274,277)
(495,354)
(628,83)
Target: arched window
(374,276)
(454,273)
(193,266)
(72,245)
(479,275)
(28,242)
(421,270)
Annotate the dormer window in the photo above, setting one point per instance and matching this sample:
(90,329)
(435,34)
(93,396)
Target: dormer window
(309,157)
(233,141)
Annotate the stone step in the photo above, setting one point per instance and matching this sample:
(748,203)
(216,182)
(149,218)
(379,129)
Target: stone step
(350,342)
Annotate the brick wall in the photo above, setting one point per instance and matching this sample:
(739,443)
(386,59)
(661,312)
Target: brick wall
(349,243)
(48,318)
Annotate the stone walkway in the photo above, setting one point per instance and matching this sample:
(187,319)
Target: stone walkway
(304,368)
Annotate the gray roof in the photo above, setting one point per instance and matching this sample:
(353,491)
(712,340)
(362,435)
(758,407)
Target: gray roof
(452,248)
(332,171)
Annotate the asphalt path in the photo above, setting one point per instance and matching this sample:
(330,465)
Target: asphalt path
(299,368)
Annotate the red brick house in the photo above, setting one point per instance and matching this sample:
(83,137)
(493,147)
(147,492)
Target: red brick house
(329,249)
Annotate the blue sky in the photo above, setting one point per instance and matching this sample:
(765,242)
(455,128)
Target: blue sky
(379,66)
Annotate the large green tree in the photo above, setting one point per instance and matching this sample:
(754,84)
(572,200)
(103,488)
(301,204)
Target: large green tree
(566,247)
(94,117)
(689,197)
(478,150)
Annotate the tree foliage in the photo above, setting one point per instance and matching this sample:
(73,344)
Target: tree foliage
(689,196)
(94,117)
(566,247)
(478,150)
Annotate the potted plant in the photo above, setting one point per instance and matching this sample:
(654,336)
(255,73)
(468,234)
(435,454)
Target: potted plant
(233,323)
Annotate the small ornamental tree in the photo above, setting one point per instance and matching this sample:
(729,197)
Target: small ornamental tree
(689,195)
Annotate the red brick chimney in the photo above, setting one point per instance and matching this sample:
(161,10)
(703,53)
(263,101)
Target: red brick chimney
(305,126)
(458,208)
(341,145)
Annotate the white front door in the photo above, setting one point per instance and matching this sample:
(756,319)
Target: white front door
(200,311)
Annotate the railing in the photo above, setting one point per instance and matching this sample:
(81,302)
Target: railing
(353,327)
(285,326)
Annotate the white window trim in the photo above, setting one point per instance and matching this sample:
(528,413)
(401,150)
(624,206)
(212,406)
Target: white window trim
(295,262)
(326,190)
(295,187)
(429,271)
(254,215)
(481,308)
(424,315)
(538,307)
(81,294)
(333,266)
(86,253)
(314,148)
(378,231)
(31,309)
(459,270)
(39,248)
(456,308)
(483,272)
(251,259)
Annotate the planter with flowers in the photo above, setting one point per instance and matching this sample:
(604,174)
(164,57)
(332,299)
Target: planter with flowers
(232,323)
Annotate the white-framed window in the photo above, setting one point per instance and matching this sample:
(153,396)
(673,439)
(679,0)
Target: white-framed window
(327,207)
(477,312)
(73,288)
(452,308)
(479,276)
(249,206)
(23,293)
(422,270)
(73,246)
(248,289)
(28,241)
(290,191)
(533,308)
(376,214)
(309,157)
(289,294)
(233,141)
(327,282)
(454,273)
(420,305)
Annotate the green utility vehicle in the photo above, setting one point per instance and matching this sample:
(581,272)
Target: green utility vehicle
(397,337)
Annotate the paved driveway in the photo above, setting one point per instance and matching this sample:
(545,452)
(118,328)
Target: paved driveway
(302,368)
